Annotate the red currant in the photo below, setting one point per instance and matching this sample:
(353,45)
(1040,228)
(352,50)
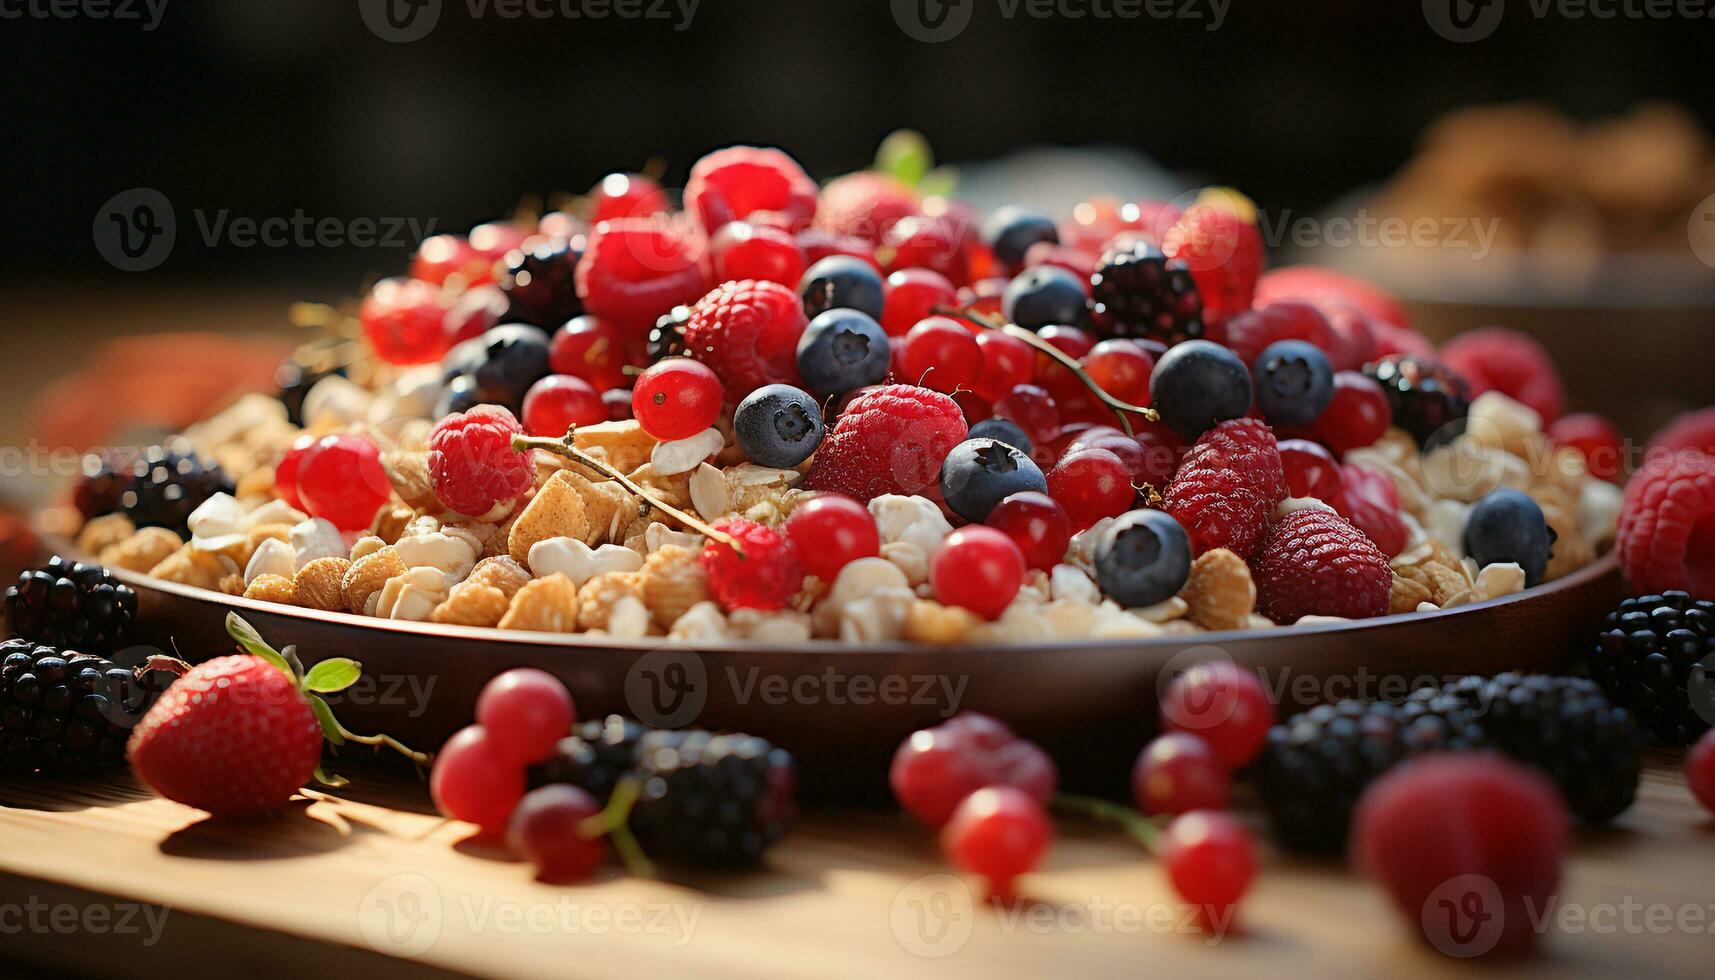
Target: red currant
(1032,409)
(935,242)
(626,196)
(441,257)
(1223,704)
(1310,470)
(745,251)
(978,568)
(476,311)
(342,480)
(974,408)
(1700,770)
(1007,363)
(560,401)
(618,404)
(592,349)
(913,294)
(547,829)
(1066,387)
(1210,860)
(676,398)
(1037,524)
(830,531)
(938,353)
(935,769)
(405,321)
(1122,369)
(999,833)
(1597,439)
(525,712)
(495,238)
(1091,484)
(1357,415)
(473,781)
(286,473)
(1177,773)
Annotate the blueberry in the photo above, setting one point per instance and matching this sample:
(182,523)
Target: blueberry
(842,350)
(1011,230)
(1294,382)
(1198,384)
(1143,558)
(1045,294)
(1004,431)
(841,281)
(459,395)
(514,357)
(778,426)
(980,473)
(1508,526)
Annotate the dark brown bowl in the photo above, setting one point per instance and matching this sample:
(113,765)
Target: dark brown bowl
(843,709)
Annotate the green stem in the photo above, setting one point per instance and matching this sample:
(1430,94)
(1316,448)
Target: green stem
(613,821)
(387,741)
(1138,826)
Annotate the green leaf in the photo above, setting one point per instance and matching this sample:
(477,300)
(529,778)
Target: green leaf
(330,726)
(939,182)
(252,643)
(904,154)
(326,779)
(333,675)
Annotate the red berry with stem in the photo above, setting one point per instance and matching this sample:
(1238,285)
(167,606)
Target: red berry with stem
(941,354)
(1223,704)
(1007,363)
(1147,465)
(1210,859)
(286,472)
(766,577)
(626,196)
(978,568)
(677,398)
(1059,380)
(1032,409)
(1091,484)
(343,481)
(936,768)
(746,251)
(998,833)
(1597,439)
(1177,773)
(405,322)
(472,464)
(474,781)
(913,294)
(1037,524)
(1122,369)
(548,829)
(1700,770)
(592,349)
(1357,415)
(560,401)
(1310,470)
(830,531)
(525,712)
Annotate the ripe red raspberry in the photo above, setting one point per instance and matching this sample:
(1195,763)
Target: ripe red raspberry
(1595,437)
(864,205)
(1325,288)
(766,578)
(1227,486)
(1314,563)
(734,183)
(1510,362)
(748,332)
(472,464)
(1666,538)
(405,321)
(636,269)
(889,439)
(1370,501)
(1690,430)
(1224,251)
(1288,319)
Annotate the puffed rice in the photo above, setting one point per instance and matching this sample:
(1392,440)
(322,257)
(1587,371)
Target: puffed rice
(319,583)
(411,595)
(930,622)
(104,532)
(1219,595)
(271,588)
(317,538)
(597,596)
(472,604)
(673,583)
(502,573)
(143,551)
(548,605)
(369,575)
(188,566)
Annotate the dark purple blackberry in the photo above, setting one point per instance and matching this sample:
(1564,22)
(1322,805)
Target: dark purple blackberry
(1137,291)
(72,605)
(1316,765)
(1647,657)
(667,337)
(105,477)
(593,757)
(167,483)
(711,801)
(539,284)
(1426,396)
(66,712)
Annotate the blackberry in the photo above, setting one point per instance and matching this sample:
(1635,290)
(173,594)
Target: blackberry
(711,801)
(167,483)
(667,337)
(539,284)
(1316,765)
(593,757)
(1425,395)
(67,712)
(70,604)
(1137,291)
(1564,726)
(295,379)
(105,477)
(1647,657)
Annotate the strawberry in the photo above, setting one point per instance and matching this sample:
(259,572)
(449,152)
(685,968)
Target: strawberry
(1219,239)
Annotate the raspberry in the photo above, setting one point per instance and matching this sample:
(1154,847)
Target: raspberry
(1690,430)
(889,439)
(734,183)
(472,464)
(405,321)
(1370,501)
(1666,538)
(636,269)
(1251,331)
(864,205)
(1326,288)
(1314,563)
(1357,331)
(943,243)
(1390,339)
(748,332)
(1223,250)
(1510,362)
(1597,439)
(1227,486)
(765,578)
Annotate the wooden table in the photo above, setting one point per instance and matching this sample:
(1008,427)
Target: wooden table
(337,882)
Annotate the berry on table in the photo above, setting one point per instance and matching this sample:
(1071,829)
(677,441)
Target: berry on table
(1511,362)
(1357,415)
(979,473)
(842,350)
(1223,704)
(889,439)
(1227,486)
(1177,773)
(1011,230)
(1091,483)
(1074,342)
(1508,526)
(405,321)
(1044,295)
(734,183)
(1700,771)
(343,481)
(63,711)
(1666,536)
(1148,465)
(748,332)
(474,781)
(1425,397)
(1007,363)
(1314,563)
(1197,385)
(474,313)
(525,712)
(547,829)
(1646,655)
(1002,430)
(766,578)
(778,426)
(1143,558)
(625,196)
(1597,439)
(636,269)
(1250,331)
(978,568)
(935,769)
(1121,368)
(1293,382)
(830,531)
(842,282)
(1137,291)
(913,294)
(997,833)
(1037,524)
(71,605)
(676,398)
(472,464)
(592,349)
(941,354)
(560,401)
(711,801)
(1210,860)
(740,250)
(1310,470)
(597,754)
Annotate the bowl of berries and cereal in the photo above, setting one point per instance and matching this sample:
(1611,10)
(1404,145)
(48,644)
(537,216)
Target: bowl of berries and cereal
(850,444)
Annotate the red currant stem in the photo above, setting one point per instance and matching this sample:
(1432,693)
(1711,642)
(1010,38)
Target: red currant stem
(387,741)
(1138,826)
(613,821)
(1119,408)
(563,447)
